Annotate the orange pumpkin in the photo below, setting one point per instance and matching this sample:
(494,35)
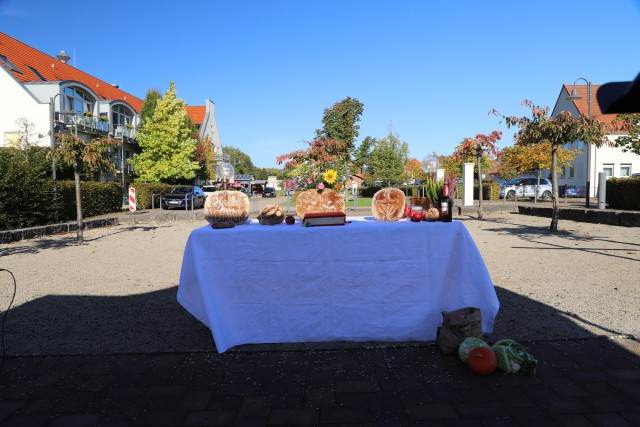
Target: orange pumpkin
(482,360)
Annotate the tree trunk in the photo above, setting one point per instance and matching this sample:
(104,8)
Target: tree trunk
(479,189)
(535,190)
(554,181)
(80,238)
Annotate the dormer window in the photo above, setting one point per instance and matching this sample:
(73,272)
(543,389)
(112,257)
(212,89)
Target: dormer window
(9,64)
(121,115)
(37,73)
(77,100)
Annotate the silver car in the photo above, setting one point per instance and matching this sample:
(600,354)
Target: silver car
(526,187)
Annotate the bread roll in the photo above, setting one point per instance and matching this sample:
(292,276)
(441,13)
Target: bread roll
(388,204)
(226,208)
(271,215)
(326,200)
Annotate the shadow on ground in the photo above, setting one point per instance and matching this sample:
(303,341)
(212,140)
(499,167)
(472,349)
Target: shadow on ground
(155,322)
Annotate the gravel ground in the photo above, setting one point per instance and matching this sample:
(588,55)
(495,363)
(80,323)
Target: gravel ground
(117,292)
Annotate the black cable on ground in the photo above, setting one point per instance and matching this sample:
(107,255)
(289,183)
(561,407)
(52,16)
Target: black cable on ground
(4,353)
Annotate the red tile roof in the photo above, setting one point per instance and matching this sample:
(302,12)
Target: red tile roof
(23,56)
(583,106)
(197,114)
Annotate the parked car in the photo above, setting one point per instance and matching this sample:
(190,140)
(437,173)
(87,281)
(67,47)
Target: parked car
(571,191)
(526,187)
(184,197)
(635,175)
(208,189)
(269,192)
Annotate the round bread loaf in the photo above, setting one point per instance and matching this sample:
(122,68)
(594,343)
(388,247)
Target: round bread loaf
(388,204)
(326,200)
(432,214)
(271,215)
(226,208)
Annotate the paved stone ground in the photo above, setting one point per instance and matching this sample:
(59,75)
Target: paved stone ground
(593,382)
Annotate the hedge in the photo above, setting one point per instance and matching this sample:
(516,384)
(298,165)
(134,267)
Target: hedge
(145,192)
(623,193)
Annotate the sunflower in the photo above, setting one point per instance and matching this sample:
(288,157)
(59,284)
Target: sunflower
(330,176)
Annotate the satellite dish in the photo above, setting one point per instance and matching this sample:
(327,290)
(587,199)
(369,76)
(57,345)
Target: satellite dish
(430,165)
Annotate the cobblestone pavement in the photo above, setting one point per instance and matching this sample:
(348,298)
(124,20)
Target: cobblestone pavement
(594,382)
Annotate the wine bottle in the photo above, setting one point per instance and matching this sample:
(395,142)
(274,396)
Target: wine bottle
(445,204)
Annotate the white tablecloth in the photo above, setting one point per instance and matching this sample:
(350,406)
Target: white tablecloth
(364,281)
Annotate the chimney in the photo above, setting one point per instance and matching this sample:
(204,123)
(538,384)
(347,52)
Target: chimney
(63,56)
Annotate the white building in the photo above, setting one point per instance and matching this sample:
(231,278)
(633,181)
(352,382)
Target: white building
(586,166)
(50,95)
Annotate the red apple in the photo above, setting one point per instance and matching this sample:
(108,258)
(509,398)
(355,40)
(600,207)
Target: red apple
(417,216)
(407,210)
(290,220)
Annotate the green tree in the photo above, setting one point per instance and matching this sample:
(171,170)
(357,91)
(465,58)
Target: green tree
(559,130)
(362,154)
(168,147)
(631,124)
(534,158)
(388,159)
(240,160)
(83,156)
(151,100)
(340,123)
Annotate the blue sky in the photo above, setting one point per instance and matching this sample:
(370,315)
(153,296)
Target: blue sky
(429,70)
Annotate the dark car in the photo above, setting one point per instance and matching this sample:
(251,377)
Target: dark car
(184,197)
(571,191)
(269,192)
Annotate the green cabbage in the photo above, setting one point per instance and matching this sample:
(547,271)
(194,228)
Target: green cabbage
(469,344)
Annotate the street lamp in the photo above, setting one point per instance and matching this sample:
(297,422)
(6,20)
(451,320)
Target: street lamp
(574,95)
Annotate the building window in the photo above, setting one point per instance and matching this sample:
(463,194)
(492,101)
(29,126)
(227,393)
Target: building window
(572,171)
(625,170)
(121,116)
(9,64)
(37,73)
(608,170)
(561,176)
(77,100)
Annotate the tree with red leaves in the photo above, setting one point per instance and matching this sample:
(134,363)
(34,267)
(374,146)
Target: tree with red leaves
(477,147)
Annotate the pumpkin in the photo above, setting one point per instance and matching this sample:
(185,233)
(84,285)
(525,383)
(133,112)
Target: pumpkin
(482,360)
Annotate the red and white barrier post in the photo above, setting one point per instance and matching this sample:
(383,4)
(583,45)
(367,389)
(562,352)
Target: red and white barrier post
(132,199)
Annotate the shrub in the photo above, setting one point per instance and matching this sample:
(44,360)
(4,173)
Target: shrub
(145,191)
(26,188)
(98,198)
(623,193)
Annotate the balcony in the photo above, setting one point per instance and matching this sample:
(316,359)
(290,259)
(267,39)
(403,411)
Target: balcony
(95,126)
